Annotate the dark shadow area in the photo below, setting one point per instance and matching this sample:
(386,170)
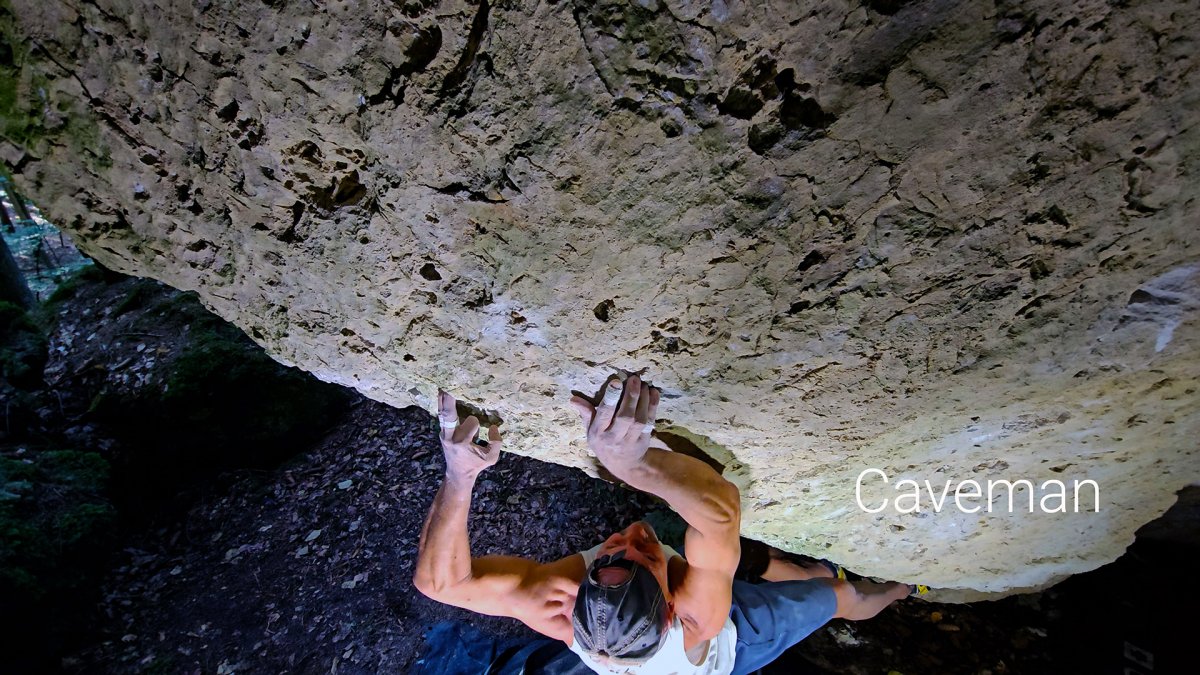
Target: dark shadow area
(1136,615)
(121,400)
(1120,619)
(189,396)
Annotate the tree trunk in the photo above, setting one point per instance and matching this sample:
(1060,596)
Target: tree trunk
(12,283)
(18,203)
(5,219)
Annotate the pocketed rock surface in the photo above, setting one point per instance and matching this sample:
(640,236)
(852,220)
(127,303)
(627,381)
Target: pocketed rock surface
(946,240)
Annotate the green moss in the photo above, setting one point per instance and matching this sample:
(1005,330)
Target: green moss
(136,297)
(78,523)
(56,529)
(83,470)
(15,471)
(714,141)
(763,283)
(25,93)
(258,401)
(89,274)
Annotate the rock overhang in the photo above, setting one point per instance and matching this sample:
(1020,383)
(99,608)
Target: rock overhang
(950,241)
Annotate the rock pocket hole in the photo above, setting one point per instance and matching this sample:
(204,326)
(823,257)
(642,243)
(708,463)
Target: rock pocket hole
(602,310)
(486,417)
(430,272)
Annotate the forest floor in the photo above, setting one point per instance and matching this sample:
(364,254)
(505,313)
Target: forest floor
(300,560)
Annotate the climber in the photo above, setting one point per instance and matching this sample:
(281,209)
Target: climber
(631,604)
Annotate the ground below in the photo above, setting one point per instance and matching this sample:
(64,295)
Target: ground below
(294,554)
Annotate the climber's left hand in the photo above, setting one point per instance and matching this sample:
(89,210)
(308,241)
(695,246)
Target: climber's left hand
(465,458)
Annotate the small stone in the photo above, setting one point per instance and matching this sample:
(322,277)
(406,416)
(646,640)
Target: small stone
(345,484)
(312,535)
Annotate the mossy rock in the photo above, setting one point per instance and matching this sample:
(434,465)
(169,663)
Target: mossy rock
(224,405)
(53,505)
(35,114)
(258,403)
(84,276)
(140,292)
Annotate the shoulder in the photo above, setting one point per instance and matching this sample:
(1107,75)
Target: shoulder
(702,599)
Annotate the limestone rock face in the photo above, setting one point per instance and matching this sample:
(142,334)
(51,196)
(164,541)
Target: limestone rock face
(945,239)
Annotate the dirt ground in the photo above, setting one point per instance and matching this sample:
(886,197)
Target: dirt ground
(305,565)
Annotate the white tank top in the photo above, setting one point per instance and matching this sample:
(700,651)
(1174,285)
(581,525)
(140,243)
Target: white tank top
(671,659)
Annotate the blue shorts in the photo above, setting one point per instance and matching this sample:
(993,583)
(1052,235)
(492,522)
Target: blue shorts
(772,616)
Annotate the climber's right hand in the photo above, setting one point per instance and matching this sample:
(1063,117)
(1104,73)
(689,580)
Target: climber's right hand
(618,433)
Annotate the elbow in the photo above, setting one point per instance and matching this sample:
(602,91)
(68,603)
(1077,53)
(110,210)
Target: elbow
(435,586)
(425,586)
(726,502)
(430,587)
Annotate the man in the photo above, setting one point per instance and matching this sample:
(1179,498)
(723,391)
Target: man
(631,604)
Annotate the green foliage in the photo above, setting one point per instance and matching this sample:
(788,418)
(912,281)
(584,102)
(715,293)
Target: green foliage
(86,471)
(56,528)
(22,347)
(55,520)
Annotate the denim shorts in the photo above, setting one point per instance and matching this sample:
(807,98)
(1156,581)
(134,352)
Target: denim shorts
(772,616)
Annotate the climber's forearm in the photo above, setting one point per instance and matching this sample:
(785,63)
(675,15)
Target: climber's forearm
(444,552)
(704,499)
